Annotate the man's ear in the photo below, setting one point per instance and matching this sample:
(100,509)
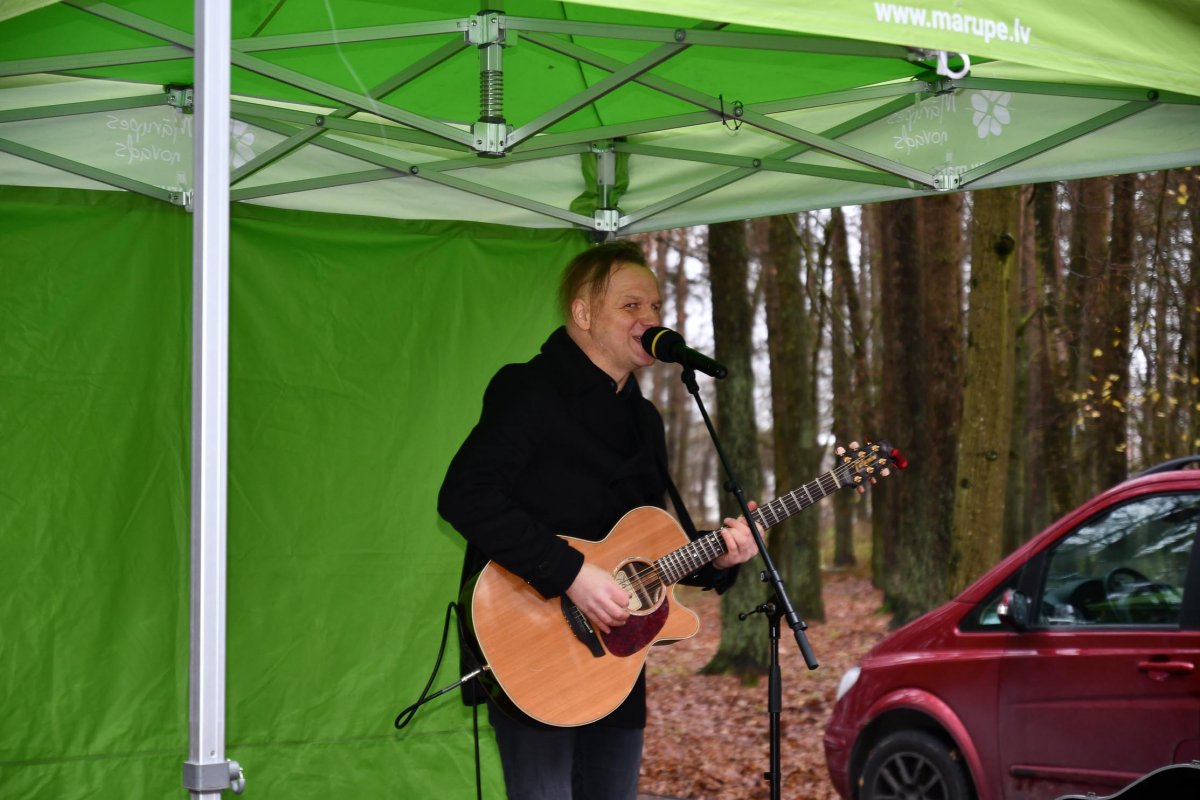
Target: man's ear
(581,314)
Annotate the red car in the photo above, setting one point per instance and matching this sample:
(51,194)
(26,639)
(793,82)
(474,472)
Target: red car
(1070,667)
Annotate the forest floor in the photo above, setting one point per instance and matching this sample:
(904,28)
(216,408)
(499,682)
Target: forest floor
(707,735)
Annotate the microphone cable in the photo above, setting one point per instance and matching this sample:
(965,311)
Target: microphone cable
(406,716)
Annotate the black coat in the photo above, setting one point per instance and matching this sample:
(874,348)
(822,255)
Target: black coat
(557,451)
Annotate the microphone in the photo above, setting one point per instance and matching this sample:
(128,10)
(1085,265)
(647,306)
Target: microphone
(667,345)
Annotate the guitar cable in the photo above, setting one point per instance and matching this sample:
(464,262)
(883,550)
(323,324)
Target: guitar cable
(407,714)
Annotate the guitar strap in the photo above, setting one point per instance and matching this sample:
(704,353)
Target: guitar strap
(660,461)
(648,432)
(685,519)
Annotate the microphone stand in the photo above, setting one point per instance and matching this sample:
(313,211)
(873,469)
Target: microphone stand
(783,605)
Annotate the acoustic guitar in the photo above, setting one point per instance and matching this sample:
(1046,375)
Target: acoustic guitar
(544,659)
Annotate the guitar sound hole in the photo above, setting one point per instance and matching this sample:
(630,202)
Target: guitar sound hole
(639,578)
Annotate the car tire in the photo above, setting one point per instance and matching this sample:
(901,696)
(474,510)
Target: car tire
(914,765)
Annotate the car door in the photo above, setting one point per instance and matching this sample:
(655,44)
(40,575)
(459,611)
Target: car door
(1105,685)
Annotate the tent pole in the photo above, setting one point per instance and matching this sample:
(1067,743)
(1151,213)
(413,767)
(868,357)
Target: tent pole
(395,133)
(112,58)
(301,138)
(207,772)
(594,92)
(474,162)
(274,72)
(309,184)
(1050,142)
(710,38)
(90,172)
(1127,93)
(735,175)
(714,104)
(291,41)
(765,163)
(692,118)
(430,173)
(86,107)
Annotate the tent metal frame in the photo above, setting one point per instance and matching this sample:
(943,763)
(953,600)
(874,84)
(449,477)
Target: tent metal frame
(529,142)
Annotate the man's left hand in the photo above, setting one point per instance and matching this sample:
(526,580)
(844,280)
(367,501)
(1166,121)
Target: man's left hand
(739,542)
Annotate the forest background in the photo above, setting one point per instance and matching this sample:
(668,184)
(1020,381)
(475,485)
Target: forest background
(1025,348)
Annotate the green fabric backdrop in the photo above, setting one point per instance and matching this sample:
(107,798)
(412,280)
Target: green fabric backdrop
(359,351)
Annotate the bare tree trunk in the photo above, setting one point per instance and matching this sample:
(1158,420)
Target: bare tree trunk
(862,414)
(987,404)
(872,235)
(678,400)
(1037,514)
(903,364)
(1054,378)
(659,374)
(1016,527)
(939,370)
(845,427)
(743,648)
(1112,365)
(1160,437)
(1092,219)
(1193,301)
(795,546)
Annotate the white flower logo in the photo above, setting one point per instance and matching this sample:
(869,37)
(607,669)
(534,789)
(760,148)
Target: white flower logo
(241,142)
(991,112)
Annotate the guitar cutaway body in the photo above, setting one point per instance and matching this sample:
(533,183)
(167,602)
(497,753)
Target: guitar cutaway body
(555,672)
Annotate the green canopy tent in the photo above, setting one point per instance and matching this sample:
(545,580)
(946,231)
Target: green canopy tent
(390,168)
(368,108)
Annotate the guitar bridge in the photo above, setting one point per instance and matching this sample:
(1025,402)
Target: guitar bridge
(581,627)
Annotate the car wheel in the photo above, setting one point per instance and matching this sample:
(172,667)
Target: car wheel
(913,765)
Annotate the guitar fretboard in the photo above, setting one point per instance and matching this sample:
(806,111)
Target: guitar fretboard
(797,500)
(678,564)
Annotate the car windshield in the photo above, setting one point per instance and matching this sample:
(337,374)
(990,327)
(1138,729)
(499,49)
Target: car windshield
(1124,566)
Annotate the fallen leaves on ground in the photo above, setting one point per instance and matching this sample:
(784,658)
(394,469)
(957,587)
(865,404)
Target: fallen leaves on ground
(707,736)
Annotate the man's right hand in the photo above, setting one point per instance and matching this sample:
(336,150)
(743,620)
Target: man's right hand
(597,595)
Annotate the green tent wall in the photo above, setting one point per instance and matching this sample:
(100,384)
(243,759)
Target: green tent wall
(345,408)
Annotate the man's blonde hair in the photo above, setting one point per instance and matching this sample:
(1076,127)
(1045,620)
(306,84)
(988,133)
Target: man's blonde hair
(588,273)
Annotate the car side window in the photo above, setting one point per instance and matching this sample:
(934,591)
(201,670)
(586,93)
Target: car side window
(1126,566)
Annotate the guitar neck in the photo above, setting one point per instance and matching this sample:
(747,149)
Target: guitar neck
(678,564)
(795,501)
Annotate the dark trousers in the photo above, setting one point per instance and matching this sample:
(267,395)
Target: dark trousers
(585,763)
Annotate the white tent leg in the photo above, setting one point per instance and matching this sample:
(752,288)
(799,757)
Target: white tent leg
(206,772)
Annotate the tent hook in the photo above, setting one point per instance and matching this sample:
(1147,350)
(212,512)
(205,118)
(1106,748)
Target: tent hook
(944,69)
(738,110)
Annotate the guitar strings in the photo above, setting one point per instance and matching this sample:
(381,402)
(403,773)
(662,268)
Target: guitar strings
(638,579)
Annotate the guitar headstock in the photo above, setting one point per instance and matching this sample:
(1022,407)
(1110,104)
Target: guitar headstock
(863,464)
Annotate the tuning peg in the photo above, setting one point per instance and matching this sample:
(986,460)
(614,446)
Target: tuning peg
(860,489)
(854,445)
(885,472)
(872,481)
(841,451)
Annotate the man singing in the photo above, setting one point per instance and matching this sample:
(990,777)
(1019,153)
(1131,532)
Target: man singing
(566,445)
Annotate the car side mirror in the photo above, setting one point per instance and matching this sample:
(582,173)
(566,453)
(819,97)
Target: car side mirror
(1013,610)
